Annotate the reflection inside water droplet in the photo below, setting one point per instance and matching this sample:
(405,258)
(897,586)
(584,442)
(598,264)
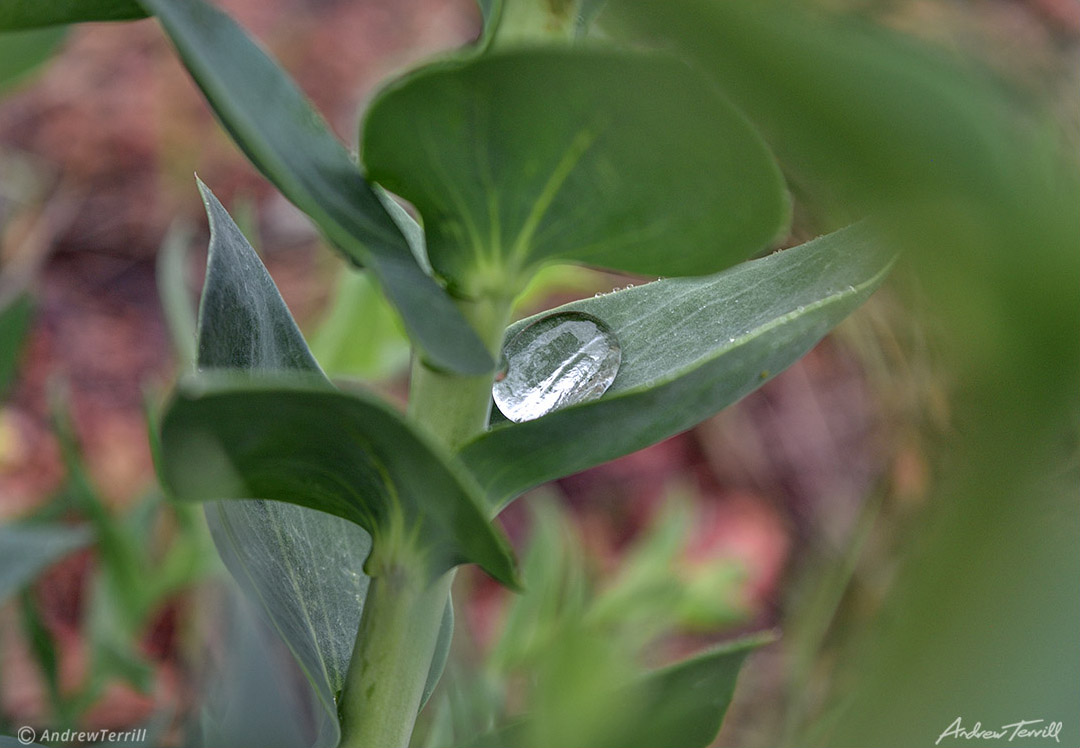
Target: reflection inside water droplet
(559,360)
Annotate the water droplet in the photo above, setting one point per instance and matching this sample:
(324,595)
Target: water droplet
(562,359)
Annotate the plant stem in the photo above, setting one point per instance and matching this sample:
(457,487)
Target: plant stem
(391,659)
(454,408)
(403,610)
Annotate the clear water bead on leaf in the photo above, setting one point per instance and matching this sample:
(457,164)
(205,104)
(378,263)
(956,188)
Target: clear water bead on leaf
(559,360)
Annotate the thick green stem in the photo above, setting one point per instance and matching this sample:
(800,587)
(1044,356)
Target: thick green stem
(391,660)
(451,407)
(403,610)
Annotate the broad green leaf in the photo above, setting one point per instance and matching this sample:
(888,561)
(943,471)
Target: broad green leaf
(26,550)
(346,454)
(15,316)
(679,706)
(277,128)
(522,156)
(305,567)
(876,115)
(243,322)
(25,14)
(22,51)
(690,347)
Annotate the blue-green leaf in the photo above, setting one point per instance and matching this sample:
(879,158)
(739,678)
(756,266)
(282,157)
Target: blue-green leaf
(277,128)
(304,567)
(533,154)
(690,347)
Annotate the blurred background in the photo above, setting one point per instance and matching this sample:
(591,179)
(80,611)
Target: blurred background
(793,510)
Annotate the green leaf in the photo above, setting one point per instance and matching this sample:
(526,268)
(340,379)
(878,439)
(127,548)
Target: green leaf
(304,567)
(690,347)
(25,14)
(26,550)
(243,322)
(683,705)
(15,317)
(23,51)
(631,161)
(531,21)
(679,706)
(347,454)
(874,114)
(277,128)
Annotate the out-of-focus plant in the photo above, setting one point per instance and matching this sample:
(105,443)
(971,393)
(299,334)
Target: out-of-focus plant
(546,143)
(21,53)
(572,650)
(143,558)
(979,182)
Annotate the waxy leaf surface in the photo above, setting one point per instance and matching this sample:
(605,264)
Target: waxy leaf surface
(287,140)
(304,567)
(525,155)
(690,347)
(343,453)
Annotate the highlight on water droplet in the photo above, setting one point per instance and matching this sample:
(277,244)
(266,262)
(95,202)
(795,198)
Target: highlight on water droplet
(561,359)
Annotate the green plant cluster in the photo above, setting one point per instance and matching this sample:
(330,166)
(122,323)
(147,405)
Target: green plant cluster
(638,137)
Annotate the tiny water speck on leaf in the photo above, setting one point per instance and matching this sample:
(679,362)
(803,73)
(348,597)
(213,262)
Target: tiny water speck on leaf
(562,359)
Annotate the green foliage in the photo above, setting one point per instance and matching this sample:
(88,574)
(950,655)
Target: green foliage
(374,350)
(176,303)
(611,172)
(133,576)
(535,148)
(980,187)
(27,549)
(602,175)
(290,143)
(689,348)
(26,14)
(244,326)
(15,317)
(264,542)
(21,52)
(341,453)
(577,648)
